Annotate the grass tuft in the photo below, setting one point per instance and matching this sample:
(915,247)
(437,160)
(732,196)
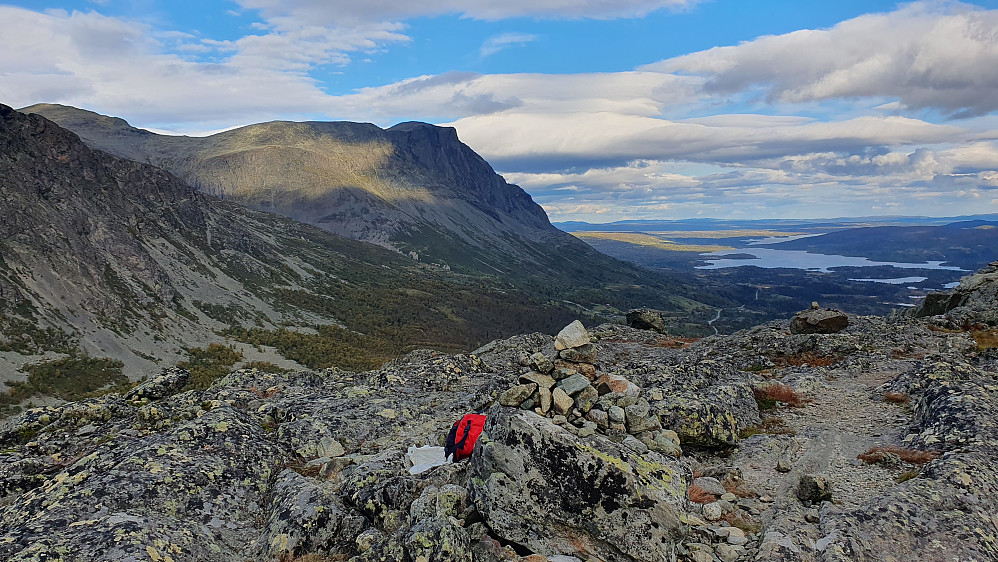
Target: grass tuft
(986,339)
(768,396)
(883,455)
(807,358)
(896,397)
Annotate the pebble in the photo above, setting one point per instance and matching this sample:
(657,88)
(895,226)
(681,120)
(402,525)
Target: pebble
(736,536)
(812,515)
(712,511)
(728,553)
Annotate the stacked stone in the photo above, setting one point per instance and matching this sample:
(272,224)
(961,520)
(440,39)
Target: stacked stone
(569,389)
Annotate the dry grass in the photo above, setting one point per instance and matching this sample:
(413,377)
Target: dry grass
(807,358)
(771,425)
(738,487)
(699,495)
(738,518)
(675,343)
(880,454)
(986,339)
(724,233)
(263,393)
(641,239)
(896,397)
(768,396)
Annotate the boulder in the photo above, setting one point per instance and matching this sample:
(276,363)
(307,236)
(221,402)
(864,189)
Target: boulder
(162,385)
(582,354)
(561,401)
(539,486)
(516,395)
(540,379)
(438,540)
(308,516)
(585,398)
(646,319)
(573,335)
(545,397)
(607,383)
(541,362)
(819,321)
(711,418)
(814,489)
(573,384)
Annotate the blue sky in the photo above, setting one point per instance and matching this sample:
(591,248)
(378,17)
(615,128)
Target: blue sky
(601,109)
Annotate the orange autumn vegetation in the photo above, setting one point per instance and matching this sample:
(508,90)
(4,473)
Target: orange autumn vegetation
(780,393)
(896,397)
(878,454)
(699,495)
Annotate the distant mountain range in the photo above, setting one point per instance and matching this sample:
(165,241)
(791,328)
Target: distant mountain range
(712,224)
(414,188)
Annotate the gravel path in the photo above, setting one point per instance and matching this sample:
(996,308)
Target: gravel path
(846,417)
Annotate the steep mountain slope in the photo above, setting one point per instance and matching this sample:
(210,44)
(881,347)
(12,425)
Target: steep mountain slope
(124,260)
(413,187)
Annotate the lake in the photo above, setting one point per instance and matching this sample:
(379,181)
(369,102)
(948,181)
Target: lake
(799,259)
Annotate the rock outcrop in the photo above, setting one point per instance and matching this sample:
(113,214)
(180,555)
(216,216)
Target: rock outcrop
(972,303)
(874,442)
(646,319)
(819,321)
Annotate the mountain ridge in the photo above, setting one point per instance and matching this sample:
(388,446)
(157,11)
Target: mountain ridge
(413,187)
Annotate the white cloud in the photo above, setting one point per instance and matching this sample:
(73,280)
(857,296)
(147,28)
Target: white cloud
(120,67)
(503,41)
(514,138)
(934,54)
(462,94)
(599,145)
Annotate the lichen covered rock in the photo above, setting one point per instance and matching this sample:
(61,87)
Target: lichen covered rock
(540,486)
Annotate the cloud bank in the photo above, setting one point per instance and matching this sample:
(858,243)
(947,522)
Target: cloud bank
(883,113)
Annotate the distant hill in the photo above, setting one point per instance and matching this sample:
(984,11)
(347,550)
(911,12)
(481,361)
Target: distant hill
(762,224)
(966,244)
(414,187)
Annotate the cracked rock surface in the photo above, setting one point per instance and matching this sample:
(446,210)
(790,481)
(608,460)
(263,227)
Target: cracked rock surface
(876,442)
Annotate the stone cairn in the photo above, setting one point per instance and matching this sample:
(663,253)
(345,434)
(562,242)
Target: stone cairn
(569,389)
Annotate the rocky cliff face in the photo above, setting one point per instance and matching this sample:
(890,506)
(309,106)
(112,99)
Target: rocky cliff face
(129,262)
(414,187)
(873,443)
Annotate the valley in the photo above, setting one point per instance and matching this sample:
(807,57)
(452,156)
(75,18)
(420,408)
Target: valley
(865,266)
(114,267)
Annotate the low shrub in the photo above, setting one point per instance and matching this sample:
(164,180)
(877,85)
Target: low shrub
(771,425)
(209,364)
(883,455)
(768,396)
(986,339)
(808,358)
(896,397)
(699,495)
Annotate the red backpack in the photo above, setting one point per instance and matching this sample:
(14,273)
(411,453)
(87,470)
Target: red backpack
(463,436)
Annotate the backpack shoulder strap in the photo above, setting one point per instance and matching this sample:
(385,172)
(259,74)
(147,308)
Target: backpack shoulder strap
(467,430)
